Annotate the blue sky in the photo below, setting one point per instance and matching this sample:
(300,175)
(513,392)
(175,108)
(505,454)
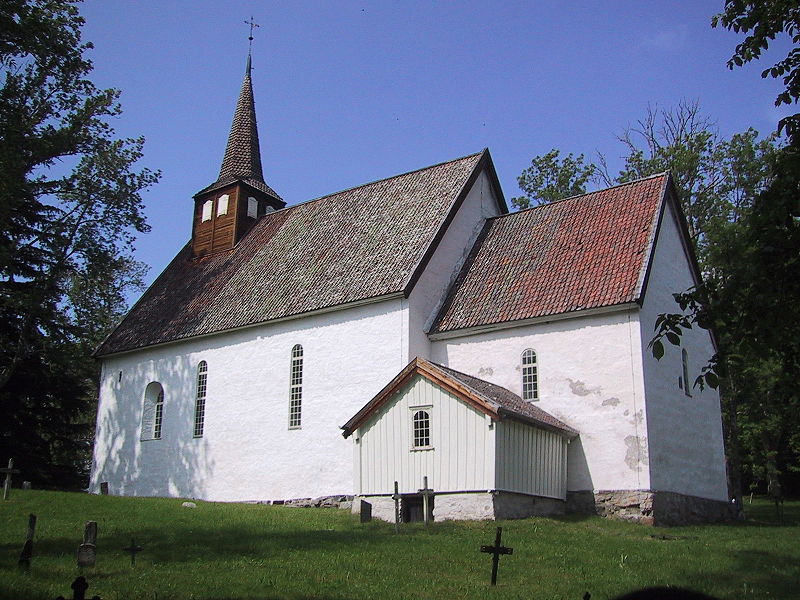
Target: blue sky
(350,92)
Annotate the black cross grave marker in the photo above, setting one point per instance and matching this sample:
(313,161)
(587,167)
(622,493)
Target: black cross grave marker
(9,472)
(133,549)
(496,551)
(396,498)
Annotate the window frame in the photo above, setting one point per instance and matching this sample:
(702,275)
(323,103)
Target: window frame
(685,371)
(152,426)
(296,387)
(421,428)
(530,375)
(198,425)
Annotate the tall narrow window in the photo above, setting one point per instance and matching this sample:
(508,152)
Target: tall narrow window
(530,377)
(422,429)
(296,387)
(159,415)
(200,401)
(685,363)
(152,411)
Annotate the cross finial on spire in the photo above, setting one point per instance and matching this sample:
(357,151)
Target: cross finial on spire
(252,24)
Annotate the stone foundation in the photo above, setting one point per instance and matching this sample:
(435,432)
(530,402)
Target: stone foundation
(472,506)
(650,508)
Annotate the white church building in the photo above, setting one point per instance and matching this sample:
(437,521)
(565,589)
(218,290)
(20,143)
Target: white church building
(502,356)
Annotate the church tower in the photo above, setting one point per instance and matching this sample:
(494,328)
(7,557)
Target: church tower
(226,210)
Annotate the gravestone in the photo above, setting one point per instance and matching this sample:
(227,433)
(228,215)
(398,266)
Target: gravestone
(496,551)
(104,488)
(26,555)
(365,512)
(9,472)
(26,485)
(87,551)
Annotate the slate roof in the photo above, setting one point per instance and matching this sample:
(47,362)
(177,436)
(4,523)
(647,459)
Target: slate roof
(584,252)
(358,244)
(242,160)
(491,399)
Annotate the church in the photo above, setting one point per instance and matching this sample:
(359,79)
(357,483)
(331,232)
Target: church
(413,330)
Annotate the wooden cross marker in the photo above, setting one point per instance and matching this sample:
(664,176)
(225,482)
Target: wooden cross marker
(426,493)
(133,549)
(496,551)
(8,471)
(27,549)
(396,498)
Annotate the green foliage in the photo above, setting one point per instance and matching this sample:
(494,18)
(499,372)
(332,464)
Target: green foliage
(221,550)
(762,21)
(550,178)
(70,207)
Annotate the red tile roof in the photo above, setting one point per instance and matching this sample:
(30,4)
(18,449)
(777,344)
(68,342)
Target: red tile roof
(588,251)
(491,399)
(361,243)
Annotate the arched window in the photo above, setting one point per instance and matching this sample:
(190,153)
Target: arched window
(152,411)
(296,387)
(530,377)
(422,429)
(685,364)
(200,401)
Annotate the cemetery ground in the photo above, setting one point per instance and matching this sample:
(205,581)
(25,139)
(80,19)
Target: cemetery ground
(218,550)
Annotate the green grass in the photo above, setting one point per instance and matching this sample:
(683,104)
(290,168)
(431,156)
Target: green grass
(250,551)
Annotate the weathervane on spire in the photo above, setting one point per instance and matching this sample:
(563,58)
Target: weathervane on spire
(252,24)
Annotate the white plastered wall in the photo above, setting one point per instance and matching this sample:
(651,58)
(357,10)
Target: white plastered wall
(686,443)
(247,451)
(590,377)
(461,453)
(430,290)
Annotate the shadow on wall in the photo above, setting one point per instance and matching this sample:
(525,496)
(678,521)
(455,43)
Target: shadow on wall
(175,465)
(579,477)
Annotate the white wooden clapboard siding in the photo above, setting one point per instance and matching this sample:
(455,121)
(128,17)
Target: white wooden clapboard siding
(461,457)
(531,460)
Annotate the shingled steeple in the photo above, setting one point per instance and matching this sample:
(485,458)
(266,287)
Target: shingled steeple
(227,209)
(242,154)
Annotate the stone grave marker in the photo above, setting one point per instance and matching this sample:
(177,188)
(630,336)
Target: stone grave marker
(26,485)
(496,551)
(365,512)
(104,488)
(87,551)
(9,472)
(26,555)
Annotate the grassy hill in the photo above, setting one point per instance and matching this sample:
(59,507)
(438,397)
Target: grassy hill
(250,551)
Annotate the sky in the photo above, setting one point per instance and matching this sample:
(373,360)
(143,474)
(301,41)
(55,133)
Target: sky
(351,92)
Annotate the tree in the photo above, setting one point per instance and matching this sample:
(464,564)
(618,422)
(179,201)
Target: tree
(70,207)
(550,178)
(762,21)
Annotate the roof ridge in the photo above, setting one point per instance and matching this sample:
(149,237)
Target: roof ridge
(355,187)
(577,196)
